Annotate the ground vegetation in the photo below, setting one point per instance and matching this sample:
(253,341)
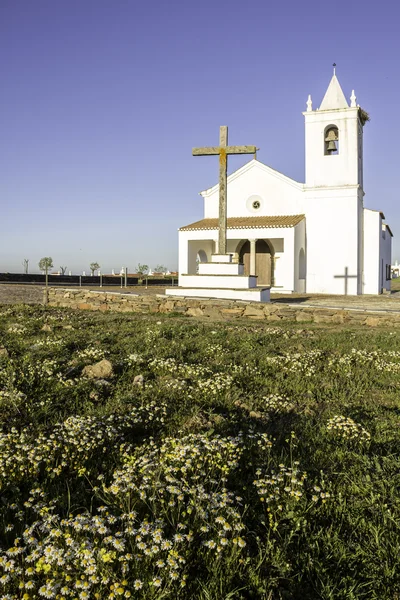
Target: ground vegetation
(162,457)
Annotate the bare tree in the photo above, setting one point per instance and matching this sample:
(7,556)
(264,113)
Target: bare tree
(62,270)
(25,264)
(94,266)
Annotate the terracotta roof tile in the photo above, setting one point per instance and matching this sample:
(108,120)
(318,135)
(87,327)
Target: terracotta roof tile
(247,222)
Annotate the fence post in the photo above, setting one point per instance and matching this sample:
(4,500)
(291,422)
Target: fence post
(101,280)
(80,280)
(126,276)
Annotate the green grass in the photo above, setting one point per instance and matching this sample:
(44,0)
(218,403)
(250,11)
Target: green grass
(245,461)
(395,284)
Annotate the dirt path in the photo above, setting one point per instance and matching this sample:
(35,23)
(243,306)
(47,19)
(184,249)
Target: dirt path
(21,294)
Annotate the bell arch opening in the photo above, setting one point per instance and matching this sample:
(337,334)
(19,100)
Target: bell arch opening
(331,140)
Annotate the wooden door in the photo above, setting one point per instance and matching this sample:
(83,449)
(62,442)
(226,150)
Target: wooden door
(263,268)
(263,261)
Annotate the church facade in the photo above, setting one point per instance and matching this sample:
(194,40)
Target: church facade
(312,237)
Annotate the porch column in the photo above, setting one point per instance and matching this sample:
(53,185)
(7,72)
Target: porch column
(252,257)
(215,246)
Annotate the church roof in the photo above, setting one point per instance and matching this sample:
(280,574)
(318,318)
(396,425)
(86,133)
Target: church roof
(388,229)
(334,97)
(247,222)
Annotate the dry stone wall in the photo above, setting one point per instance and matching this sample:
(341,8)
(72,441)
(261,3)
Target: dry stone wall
(215,309)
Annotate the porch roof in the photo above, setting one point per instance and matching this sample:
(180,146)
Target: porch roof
(247,222)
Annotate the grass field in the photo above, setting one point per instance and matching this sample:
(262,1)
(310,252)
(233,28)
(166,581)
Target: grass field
(206,460)
(395,284)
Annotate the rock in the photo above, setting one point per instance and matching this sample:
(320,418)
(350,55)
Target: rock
(67,327)
(167,306)
(139,380)
(232,312)
(256,312)
(304,316)
(256,414)
(372,321)
(211,312)
(46,327)
(273,317)
(338,318)
(3,352)
(318,318)
(100,370)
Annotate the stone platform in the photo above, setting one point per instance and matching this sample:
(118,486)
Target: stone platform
(276,310)
(250,295)
(221,278)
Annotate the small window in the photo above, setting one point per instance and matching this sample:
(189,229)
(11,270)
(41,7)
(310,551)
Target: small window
(331,140)
(388,272)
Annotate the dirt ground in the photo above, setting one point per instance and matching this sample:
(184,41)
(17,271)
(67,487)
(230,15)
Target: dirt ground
(21,294)
(33,294)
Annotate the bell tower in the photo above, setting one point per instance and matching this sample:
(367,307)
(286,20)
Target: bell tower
(334,144)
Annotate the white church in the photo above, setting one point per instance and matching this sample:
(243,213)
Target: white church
(312,237)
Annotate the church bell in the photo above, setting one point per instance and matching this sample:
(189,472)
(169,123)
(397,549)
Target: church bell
(331,147)
(331,139)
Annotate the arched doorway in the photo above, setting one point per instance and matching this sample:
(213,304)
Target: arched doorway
(302,264)
(264,261)
(201,257)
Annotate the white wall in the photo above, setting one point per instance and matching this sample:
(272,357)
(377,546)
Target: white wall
(372,232)
(386,255)
(188,249)
(333,242)
(284,264)
(278,194)
(340,169)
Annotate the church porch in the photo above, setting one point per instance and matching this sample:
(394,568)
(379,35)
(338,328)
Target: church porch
(276,255)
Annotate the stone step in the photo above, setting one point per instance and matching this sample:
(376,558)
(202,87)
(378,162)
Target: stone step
(214,268)
(218,281)
(251,295)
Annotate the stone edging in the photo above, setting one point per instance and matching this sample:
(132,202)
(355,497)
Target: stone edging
(215,309)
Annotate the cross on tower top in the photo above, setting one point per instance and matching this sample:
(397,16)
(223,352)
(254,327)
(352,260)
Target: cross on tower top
(223,150)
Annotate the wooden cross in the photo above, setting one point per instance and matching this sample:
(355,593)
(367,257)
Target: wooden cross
(346,276)
(223,150)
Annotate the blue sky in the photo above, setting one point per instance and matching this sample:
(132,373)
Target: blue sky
(102,102)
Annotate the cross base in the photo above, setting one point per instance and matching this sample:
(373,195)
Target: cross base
(221,258)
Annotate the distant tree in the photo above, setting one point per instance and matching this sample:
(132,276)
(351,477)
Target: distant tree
(142,269)
(25,264)
(45,264)
(62,270)
(94,266)
(160,269)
